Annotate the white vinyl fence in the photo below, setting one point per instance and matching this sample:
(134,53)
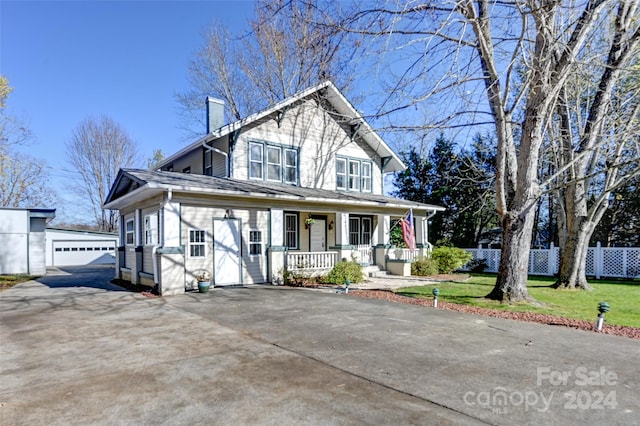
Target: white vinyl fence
(602,262)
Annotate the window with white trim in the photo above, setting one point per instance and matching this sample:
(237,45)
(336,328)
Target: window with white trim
(255,160)
(354,175)
(130,231)
(273,163)
(341,173)
(151,229)
(291,230)
(255,243)
(290,166)
(360,228)
(197,243)
(366,177)
(208,163)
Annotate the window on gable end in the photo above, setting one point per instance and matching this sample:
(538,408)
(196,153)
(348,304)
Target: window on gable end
(255,160)
(291,166)
(366,176)
(341,173)
(274,164)
(354,175)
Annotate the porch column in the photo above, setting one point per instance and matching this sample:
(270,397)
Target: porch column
(421,235)
(277,250)
(383,240)
(342,236)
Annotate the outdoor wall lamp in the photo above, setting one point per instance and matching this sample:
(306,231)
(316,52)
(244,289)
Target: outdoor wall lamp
(602,308)
(331,226)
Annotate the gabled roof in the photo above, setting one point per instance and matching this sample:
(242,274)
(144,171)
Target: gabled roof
(134,185)
(334,97)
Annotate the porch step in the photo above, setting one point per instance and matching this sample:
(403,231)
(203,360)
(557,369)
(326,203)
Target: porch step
(374,272)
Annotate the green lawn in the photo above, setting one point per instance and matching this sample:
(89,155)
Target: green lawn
(8,281)
(623,296)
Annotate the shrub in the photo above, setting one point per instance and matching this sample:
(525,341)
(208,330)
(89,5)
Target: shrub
(477,265)
(424,266)
(450,258)
(343,271)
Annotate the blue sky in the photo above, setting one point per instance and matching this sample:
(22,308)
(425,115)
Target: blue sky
(70,60)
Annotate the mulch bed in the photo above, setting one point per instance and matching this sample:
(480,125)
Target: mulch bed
(618,330)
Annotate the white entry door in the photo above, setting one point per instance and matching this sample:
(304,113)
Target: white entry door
(318,236)
(226,252)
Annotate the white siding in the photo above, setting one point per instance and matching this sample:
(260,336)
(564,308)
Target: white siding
(201,217)
(319,138)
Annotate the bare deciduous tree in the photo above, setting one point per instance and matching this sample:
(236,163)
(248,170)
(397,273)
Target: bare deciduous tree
(521,53)
(285,52)
(23,179)
(97,150)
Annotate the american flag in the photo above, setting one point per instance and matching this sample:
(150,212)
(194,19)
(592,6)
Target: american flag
(408,233)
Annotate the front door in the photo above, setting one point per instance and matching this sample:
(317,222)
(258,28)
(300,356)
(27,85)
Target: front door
(226,252)
(318,236)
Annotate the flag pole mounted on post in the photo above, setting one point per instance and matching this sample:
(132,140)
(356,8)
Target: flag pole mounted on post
(408,232)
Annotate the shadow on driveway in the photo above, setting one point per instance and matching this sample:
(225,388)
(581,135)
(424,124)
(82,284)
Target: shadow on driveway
(90,276)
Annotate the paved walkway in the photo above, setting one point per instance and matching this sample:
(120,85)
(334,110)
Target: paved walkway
(77,350)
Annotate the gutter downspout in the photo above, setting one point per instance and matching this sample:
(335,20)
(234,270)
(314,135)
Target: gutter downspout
(224,154)
(429,216)
(154,250)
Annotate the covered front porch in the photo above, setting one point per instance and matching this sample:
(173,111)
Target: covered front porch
(315,240)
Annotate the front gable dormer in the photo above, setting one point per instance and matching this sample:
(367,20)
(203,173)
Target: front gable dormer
(314,139)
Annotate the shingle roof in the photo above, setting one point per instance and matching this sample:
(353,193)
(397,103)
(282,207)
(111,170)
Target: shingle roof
(131,179)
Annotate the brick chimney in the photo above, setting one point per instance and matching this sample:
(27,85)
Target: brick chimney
(215,114)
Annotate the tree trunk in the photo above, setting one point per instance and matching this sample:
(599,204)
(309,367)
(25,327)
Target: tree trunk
(573,259)
(511,284)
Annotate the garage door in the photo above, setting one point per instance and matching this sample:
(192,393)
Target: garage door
(84,252)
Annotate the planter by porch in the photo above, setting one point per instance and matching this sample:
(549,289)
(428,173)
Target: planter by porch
(203,286)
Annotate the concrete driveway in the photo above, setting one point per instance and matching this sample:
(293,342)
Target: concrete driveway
(75,349)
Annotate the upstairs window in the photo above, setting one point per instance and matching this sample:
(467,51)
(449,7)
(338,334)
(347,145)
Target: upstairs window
(255,160)
(354,175)
(366,177)
(291,166)
(341,173)
(208,163)
(273,163)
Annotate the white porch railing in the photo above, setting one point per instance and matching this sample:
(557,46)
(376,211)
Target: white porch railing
(363,254)
(313,263)
(611,262)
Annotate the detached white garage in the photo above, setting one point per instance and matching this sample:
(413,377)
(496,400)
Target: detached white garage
(67,247)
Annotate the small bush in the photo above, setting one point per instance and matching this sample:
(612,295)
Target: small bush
(450,258)
(343,271)
(424,266)
(477,265)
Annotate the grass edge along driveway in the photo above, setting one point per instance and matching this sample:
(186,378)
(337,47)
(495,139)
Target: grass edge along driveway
(622,296)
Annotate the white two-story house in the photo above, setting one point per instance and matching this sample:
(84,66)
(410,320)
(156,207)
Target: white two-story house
(297,186)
